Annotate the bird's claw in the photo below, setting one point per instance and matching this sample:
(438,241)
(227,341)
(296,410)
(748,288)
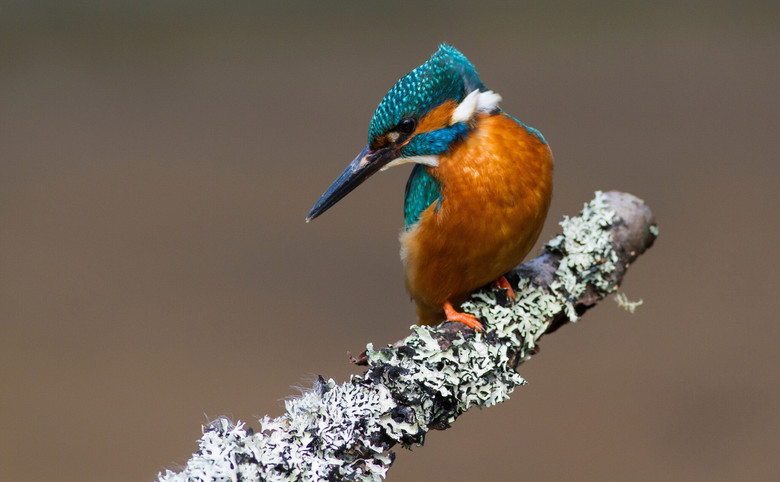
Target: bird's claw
(469,320)
(503,283)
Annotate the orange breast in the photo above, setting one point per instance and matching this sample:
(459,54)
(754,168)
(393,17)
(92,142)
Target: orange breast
(496,189)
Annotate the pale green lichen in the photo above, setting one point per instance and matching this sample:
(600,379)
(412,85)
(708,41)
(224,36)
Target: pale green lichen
(654,230)
(622,301)
(588,254)
(434,385)
(312,441)
(342,432)
(588,259)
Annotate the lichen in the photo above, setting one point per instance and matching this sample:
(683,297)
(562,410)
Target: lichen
(343,431)
(589,257)
(654,230)
(622,301)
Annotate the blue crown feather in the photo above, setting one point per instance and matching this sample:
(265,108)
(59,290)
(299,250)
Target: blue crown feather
(446,75)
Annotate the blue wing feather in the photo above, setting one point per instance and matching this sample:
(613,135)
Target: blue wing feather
(422,190)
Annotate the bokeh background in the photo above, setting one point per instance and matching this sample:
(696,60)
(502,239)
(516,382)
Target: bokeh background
(157,160)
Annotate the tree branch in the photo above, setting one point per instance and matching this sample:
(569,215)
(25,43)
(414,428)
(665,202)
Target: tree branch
(346,431)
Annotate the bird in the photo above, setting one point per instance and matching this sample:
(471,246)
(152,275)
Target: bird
(478,192)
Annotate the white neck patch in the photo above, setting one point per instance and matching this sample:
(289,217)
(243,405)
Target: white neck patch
(432,161)
(473,104)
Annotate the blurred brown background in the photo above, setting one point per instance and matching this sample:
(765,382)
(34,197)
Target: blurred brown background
(157,161)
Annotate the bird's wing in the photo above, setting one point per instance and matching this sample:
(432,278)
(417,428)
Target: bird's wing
(422,190)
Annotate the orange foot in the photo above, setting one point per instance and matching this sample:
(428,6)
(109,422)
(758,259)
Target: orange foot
(503,283)
(469,320)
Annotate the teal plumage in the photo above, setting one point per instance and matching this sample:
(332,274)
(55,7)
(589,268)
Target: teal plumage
(435,142)
(446,75)
(422,190)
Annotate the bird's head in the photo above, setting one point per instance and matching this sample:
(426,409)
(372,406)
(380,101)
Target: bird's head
(428,110)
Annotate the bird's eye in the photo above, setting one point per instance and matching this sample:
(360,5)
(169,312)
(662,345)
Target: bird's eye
(407,125)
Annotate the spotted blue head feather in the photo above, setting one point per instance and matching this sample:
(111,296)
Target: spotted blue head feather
(392,139)
(446,75)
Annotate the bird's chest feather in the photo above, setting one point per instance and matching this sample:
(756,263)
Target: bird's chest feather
(495,191)
(495,184)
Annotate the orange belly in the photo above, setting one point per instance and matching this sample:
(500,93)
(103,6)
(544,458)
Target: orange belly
(496,189)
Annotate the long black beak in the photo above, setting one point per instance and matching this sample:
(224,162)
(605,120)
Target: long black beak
(365,164)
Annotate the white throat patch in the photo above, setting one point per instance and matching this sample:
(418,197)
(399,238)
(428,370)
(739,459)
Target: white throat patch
(473,104)
(432,161)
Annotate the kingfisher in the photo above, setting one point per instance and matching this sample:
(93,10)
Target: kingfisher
(479,191)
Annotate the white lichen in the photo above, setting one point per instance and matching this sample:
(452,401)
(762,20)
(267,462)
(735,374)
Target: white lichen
(343,431)
(588,253)
(622,301)
(654,230)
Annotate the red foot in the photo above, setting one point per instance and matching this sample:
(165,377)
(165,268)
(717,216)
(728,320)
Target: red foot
(469,320)
(503,283)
